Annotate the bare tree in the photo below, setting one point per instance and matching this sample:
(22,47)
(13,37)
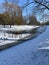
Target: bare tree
(39,6)
(13,9)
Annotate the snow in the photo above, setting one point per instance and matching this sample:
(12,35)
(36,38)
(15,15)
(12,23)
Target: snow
(29,52)
(44,47)
(6,42)
(13,36)
(20,28)
(9,38)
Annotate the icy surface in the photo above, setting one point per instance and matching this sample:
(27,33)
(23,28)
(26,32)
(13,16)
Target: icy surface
(28,53)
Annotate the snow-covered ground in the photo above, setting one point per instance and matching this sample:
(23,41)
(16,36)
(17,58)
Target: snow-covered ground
(44,48)
(31,52)
(19,28)
(9,38)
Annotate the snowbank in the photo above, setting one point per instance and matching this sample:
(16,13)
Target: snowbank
(17,28)
(6,38)
(9,38)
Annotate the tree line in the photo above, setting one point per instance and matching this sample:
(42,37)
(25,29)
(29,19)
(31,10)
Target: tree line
(11,13)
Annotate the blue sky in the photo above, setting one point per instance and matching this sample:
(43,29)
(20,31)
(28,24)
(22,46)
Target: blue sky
(1,0)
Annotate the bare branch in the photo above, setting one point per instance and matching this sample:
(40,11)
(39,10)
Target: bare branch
(36,1)
(27,5)
(42,4)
